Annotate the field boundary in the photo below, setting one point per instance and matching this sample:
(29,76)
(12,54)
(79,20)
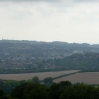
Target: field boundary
(65,75)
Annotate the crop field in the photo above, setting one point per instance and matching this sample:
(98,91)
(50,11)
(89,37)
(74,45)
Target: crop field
(86,77)
(41,75)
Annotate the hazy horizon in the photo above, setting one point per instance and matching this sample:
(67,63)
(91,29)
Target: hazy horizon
(50,20)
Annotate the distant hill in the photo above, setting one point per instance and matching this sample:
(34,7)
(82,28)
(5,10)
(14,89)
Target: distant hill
(43,50)
(33,56)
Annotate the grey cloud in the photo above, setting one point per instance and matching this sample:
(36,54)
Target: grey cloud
(31,0)
(52,0)
(66,2)
(85,0)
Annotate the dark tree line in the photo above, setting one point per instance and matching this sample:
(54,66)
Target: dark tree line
(61,90)
(9,85)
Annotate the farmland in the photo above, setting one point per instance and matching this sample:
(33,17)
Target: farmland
(86,77)
(41,75)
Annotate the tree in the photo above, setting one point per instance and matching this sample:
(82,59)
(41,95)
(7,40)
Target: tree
(30,90)
(3,95)
(79,91)
(35,79)
(48,80)
(35,91)
(18,91)
(57,89)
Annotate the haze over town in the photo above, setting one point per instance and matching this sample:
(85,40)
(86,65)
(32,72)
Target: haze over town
(50,20)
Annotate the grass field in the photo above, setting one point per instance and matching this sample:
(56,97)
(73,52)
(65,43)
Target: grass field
(27,76)
(86,77)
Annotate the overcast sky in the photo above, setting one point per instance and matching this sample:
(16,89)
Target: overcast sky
(50,20)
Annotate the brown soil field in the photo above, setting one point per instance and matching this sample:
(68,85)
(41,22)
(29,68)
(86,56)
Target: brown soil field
(86,77)
(27,76)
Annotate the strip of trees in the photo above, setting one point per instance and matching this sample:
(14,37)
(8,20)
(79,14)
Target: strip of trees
(61,90)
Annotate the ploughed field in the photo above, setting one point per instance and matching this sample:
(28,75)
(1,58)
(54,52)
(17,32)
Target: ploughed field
(71,75)
(86,77)
(41,75)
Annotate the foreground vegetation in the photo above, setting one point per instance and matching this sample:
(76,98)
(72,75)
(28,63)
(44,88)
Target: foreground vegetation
(61,90)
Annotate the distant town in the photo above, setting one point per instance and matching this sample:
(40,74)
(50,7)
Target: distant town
(29,56)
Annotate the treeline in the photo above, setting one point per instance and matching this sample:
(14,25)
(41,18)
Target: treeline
(61,90)
(9,85)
